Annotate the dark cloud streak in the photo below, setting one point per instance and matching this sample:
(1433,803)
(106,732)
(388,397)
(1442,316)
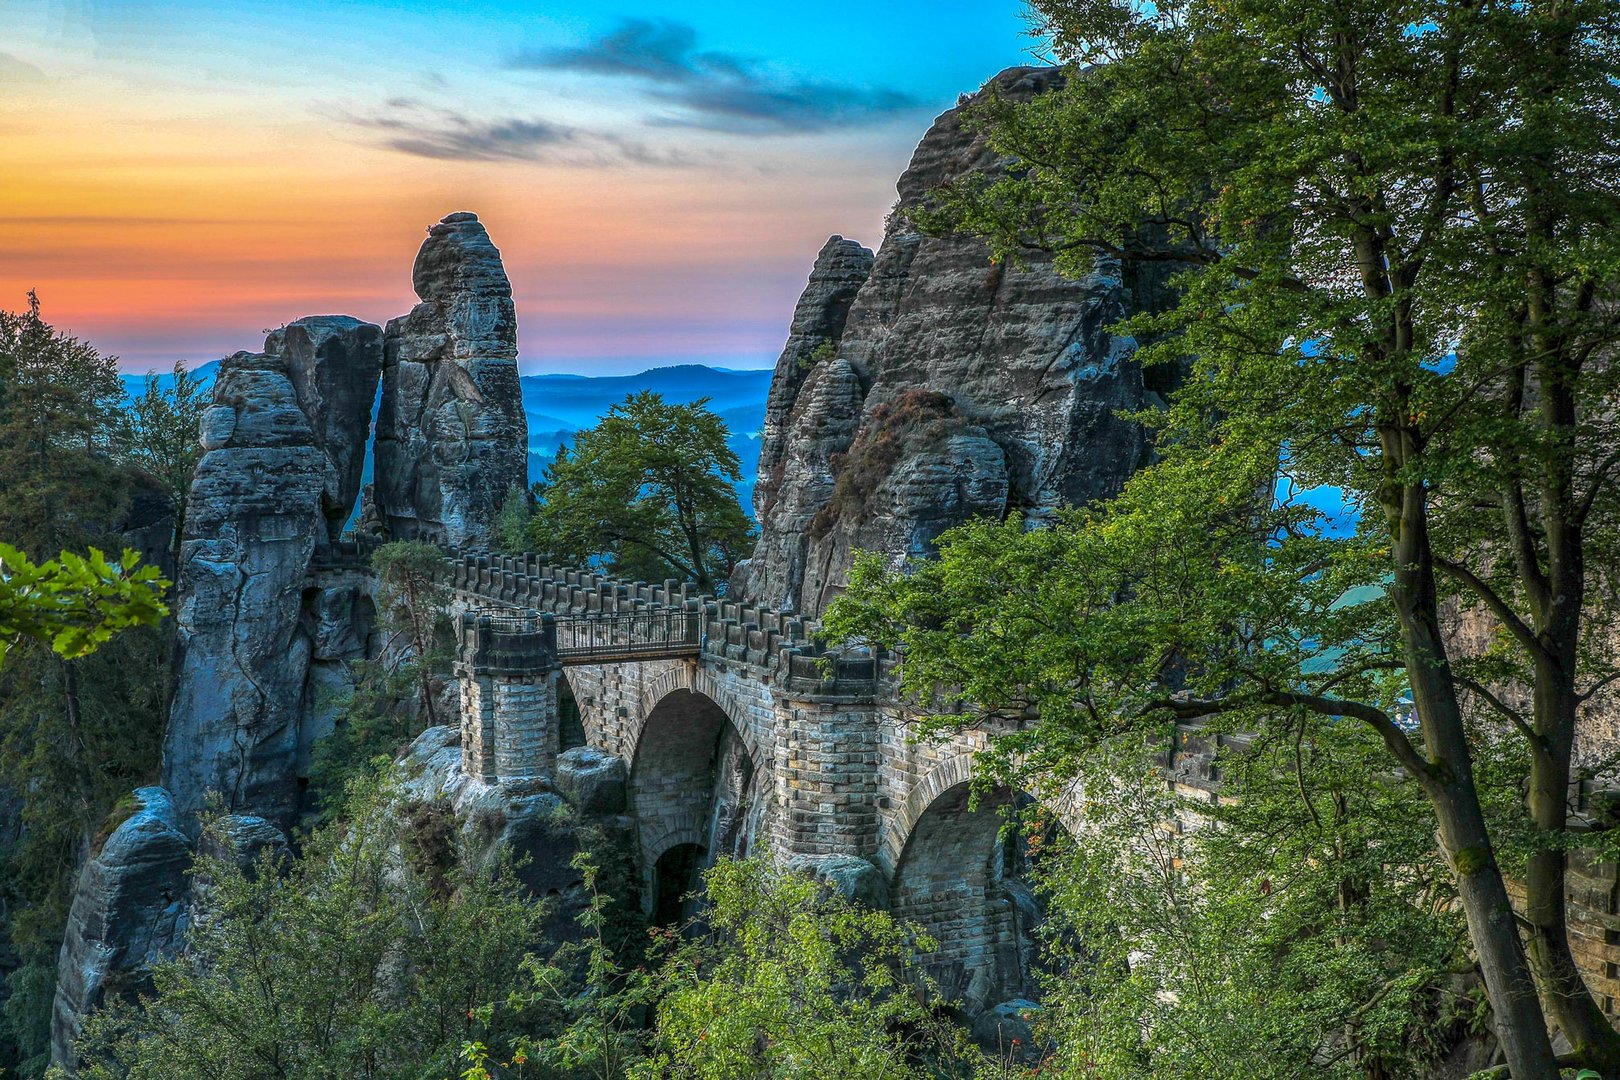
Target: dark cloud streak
(411,127)
(714,90)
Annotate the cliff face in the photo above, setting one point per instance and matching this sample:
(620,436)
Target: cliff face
(956,388)
(266,618)
(841,268)
(284,441)
(452,438)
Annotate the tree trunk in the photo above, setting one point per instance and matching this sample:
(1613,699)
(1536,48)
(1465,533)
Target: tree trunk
(1521,1025)
(1564,993)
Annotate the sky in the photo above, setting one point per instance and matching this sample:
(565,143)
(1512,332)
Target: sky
(178,177)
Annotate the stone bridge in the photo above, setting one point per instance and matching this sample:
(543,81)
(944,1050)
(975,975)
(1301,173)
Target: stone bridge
(739,731)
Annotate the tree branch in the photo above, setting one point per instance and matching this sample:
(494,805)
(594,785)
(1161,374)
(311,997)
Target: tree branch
(1493,600)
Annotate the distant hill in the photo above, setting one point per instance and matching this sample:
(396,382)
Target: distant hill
(558,406)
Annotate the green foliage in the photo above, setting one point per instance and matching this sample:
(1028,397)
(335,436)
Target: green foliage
(512,522)
(158,434)
(647,492)
(78,728)
(58,404)
(827,350)
(416,596)
(1396,244)
(1308,928)
(378,716)
(793,982)
(75,603)
(351,960)
(780,979)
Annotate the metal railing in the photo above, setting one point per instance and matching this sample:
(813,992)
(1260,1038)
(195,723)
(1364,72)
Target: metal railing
(657,633)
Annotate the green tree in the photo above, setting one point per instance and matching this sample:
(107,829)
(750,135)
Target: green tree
(416,595)
(76,730)
(369,955)
(1397,234)
(783,979)
(794,982)
(75,603)
(1307,927)
(649,492)
(58,404)
(158,433)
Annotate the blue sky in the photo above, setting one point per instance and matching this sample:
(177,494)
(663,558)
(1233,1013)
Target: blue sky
(181,176)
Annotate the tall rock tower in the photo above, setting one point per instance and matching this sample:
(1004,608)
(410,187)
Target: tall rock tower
(928,385)
(283,443)
(452,438)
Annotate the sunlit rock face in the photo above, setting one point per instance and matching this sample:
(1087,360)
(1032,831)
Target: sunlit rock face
(841,268)
(956,387)
(452,438)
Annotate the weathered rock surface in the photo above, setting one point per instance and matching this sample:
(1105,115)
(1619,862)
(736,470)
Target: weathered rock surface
(284,444)
(1007,1029)
(256,518)
(334,362)
(593,781)
(452,437)
(959,388)
(524,819)
(850,876)
(841,268)
(129,911)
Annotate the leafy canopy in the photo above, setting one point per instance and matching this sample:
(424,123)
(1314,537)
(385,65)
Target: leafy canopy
(368,955)
(648,492)
(1396,231)
(75,603)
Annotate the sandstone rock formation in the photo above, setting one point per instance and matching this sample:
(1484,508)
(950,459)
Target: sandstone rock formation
(452,437)
(841,268)
(958,387)
(284,441)
(129,912)
(527,820)
(334,362)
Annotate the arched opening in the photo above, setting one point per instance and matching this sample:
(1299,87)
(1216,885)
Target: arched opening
(570,721)
(961,878)
(673,878)
(693,788)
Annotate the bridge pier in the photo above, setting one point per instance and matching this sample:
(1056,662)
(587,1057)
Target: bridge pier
(827,767)
(507,672)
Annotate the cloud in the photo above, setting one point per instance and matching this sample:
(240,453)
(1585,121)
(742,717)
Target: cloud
(715,90)
(13,70)
(412,127)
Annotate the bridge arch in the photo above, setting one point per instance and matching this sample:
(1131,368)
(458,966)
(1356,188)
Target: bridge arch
(697,784)
(955,872)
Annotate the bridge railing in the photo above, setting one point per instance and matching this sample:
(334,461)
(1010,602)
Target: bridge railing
(677,621)
(650,633)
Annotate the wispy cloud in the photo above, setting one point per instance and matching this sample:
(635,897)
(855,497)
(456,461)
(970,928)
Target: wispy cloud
(421,130)
(13,70)
(716,90)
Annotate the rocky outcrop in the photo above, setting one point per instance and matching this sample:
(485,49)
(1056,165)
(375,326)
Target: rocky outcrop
(593,781)
(129,912)
(532,820)
(452,438)
(841,268)
(957,387)
(284,444)
(334,362)
(255,520)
